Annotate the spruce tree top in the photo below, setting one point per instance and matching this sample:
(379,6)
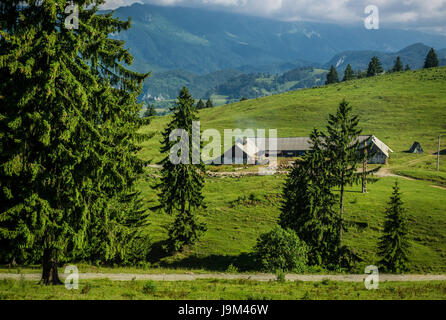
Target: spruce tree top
(375,68)
(431,59)
(332,76)
(349,74)
(209,103)
(200,105)
(398,65)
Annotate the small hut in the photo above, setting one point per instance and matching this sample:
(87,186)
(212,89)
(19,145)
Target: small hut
(416,148)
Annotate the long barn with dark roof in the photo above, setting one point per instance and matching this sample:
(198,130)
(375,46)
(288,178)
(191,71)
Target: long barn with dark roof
(253,150)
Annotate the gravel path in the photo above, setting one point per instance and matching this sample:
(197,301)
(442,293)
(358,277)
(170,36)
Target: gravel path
(222,276)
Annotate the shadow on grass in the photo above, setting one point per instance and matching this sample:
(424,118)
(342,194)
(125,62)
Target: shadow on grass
(217,263)
(442,153)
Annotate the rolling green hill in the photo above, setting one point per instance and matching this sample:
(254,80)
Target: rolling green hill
(259,85)
(398,108)
(227,85)
(164,86)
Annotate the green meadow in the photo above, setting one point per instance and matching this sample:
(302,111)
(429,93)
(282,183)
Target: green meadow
(240,209)
(222,290)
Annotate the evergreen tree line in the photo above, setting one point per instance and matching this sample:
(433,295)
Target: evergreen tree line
(375,68)
(201,105)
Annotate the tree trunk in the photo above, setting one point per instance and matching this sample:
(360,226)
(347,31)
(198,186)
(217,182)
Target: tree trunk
(341,209)
(364,170)
(50,275)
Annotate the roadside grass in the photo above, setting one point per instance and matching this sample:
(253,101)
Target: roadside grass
(222,290)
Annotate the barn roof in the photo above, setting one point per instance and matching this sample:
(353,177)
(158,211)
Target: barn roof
(378,143)
(283,144)
(304,143)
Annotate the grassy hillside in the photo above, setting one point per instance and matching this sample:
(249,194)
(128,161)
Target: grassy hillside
(260,85)
(234,223)
(226,86)
(398,108)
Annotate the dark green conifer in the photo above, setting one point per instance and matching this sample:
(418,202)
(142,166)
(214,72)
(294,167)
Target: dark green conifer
(200,105)
(150,111)
(332,76)
(431,59)
(341,143)
(349,74)
(307,206)
(398,65)
(375,68)
(209,103)
(393,244)
(182,182)
(68,141)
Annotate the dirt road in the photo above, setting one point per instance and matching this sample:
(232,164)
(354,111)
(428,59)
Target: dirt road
(223,276)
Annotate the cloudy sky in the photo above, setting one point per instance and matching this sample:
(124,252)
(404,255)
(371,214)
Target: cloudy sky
(428,15)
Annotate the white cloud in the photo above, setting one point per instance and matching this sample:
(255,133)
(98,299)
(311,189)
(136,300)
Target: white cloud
(394,13)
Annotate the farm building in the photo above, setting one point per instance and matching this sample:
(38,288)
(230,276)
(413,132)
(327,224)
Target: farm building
(416,148)
(377,150)
(255,150)
(241,153)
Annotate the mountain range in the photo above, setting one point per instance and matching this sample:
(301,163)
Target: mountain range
(226,56)
(170,37)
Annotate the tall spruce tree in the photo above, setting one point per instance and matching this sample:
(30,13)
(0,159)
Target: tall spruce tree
(182,184)
(349,74)
(307,206)
(332,76)
(68,138)
(341,143)
(200,105)
(431,59)
(150,111)
(398,65)
(209,103)
(393,245)
(375,68)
